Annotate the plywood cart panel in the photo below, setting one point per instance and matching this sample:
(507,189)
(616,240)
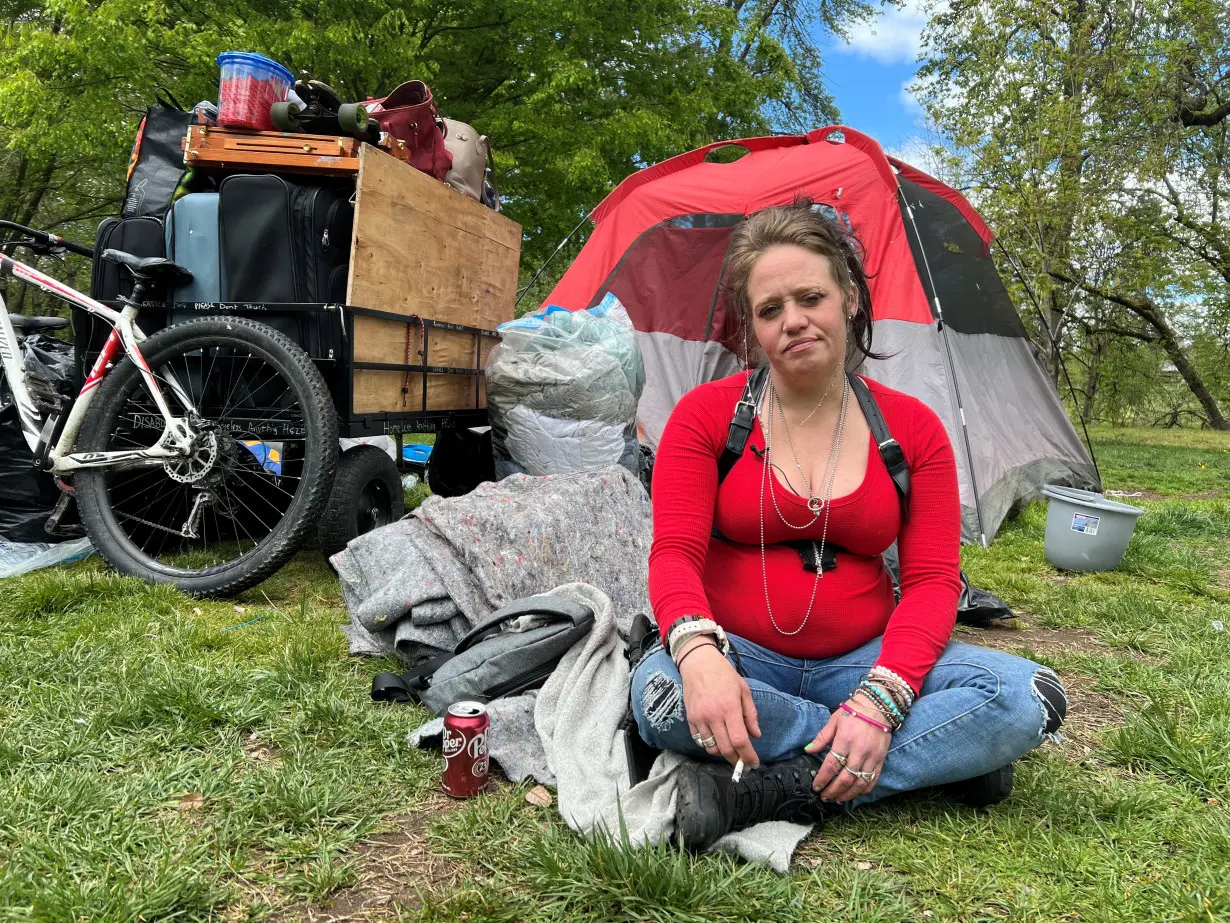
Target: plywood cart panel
(422,250)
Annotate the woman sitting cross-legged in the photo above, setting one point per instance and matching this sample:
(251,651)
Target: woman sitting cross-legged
(831,692)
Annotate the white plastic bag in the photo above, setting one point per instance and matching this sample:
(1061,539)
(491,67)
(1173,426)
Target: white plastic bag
(18,558)
(562,389)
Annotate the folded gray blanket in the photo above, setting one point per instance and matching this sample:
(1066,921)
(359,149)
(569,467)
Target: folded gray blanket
(418,585)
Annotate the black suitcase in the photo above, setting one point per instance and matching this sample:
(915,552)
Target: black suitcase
(284,241)
(138,236)
(109,281)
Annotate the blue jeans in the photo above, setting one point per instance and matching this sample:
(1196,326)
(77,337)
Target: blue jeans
(979,709)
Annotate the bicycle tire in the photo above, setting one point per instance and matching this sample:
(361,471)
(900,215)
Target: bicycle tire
(238,468)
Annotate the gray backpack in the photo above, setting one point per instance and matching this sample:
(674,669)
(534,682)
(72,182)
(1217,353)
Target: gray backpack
(514,650)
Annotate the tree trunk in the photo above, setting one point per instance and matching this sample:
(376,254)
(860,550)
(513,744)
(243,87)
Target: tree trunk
(1175,352)
(1150,312)
(1054,324)
(1091,382)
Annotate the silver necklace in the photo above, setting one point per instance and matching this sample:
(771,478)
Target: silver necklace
(817,550)
(814,503)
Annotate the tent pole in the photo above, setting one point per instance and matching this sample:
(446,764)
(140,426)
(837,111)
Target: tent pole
(1055,344)
(554,253)
(952,369)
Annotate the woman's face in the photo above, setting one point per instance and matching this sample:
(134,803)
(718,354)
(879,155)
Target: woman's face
(799,312)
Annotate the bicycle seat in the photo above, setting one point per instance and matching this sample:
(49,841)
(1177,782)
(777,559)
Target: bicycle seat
(27,324)
(150,269)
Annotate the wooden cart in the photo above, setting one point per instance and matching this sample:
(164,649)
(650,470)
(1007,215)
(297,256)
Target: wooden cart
(432,273)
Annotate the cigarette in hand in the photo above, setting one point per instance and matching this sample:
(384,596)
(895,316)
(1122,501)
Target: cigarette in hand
(738,773)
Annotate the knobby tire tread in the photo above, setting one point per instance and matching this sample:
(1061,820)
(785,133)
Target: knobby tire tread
(355,468)
(286,536)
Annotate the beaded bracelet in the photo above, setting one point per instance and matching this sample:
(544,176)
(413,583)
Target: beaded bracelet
(894,679)
(875,703)
(861,717)
(879,692)
(894,683)
(901,695)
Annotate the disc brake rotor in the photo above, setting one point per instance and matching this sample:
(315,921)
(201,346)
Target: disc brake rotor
(196,465)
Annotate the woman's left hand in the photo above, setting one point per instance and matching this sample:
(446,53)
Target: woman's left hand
(853,745)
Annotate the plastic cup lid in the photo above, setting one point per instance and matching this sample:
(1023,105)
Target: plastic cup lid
(252,58)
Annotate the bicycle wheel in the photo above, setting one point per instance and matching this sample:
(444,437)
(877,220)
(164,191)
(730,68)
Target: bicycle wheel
(234,510)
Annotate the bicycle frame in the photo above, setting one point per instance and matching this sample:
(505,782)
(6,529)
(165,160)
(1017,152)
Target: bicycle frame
(176,440)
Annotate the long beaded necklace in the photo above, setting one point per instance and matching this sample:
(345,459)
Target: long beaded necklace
(827,479)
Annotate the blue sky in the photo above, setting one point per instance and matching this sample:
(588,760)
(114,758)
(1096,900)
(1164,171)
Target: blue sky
(868,76)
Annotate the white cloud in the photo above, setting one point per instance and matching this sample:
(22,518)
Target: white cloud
(894,35)
(914,150)
(907,100)
(924,150)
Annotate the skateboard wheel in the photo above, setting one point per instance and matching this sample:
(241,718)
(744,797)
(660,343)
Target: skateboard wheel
(285,116)
(352,118)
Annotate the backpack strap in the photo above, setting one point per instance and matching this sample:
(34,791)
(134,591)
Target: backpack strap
(403,687)
(742,422)
(890,449)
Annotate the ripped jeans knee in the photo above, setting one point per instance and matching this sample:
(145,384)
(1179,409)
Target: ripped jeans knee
(661,701)
(1052,698)
(657,703)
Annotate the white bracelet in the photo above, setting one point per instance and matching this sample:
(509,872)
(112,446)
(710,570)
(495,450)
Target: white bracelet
(677,636)
(886,673)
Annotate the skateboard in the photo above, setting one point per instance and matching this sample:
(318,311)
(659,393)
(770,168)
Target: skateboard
(323,113)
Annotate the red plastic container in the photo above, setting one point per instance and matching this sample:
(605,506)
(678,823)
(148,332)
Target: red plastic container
(249,86)
(465,749)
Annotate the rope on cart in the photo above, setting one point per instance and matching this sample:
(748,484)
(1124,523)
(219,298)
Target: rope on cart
(405,381)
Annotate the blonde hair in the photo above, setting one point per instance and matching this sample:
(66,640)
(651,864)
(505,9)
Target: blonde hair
(800,225)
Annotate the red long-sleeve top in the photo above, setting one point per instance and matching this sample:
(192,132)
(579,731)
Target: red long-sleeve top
(691,573)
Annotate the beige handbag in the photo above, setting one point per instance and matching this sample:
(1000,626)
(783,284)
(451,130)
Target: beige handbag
(469,150)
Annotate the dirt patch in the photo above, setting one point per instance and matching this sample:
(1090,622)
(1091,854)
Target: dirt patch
(1128,495)
(254,748)
(1090,711)
(394,869)
(1040,640)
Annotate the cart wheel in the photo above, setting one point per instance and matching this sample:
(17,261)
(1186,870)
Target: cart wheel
(366,494)
(285,116)
(460,460)
(352,118)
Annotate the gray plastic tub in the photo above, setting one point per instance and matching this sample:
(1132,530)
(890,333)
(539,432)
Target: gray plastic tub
(1084,530)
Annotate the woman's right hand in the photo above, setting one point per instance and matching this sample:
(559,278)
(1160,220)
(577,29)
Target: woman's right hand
(719,703)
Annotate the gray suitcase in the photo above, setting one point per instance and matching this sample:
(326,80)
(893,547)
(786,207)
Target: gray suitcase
(192,242)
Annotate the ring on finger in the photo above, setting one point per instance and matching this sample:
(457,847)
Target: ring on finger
(840,757)
(866,776)
(708,742)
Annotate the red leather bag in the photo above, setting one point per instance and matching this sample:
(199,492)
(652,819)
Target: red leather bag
(409,114)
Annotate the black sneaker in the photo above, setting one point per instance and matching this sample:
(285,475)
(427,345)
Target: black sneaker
(984,790)
(709,805)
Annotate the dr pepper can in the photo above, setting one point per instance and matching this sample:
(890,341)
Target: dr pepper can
(465,749)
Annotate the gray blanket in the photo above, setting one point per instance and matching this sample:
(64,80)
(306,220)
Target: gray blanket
(568,734)
(418,585)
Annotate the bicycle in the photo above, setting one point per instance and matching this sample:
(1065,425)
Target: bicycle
(200,455)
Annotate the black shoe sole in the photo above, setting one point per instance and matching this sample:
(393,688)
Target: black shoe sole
(984,790)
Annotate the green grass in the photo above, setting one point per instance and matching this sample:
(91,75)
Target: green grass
(163,758)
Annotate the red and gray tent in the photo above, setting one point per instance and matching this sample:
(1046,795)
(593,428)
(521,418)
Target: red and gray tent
(940,310)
